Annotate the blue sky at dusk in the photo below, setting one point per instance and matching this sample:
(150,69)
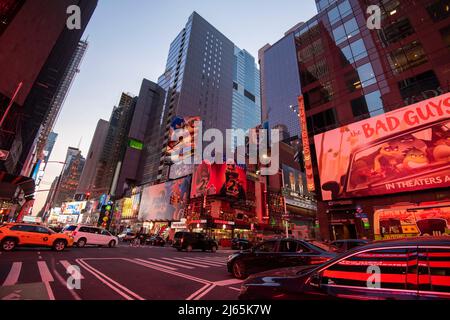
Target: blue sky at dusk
(129,40)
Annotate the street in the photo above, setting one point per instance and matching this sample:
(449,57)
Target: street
(121,273)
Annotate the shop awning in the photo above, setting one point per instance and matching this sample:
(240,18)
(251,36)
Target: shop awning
(9,184)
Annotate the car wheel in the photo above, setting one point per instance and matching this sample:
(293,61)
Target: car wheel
(239,270)
(59,245)
(189,248)
(112,244)
(81,243)
(213,249)
(9,244)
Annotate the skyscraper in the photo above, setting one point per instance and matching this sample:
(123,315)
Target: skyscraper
(115,144)
(68,181)
(60,96)
(280,84)
(35,49)
(198,81)
(246,110)
(87,178)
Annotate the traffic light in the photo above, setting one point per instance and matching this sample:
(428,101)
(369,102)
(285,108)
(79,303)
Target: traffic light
(87,196)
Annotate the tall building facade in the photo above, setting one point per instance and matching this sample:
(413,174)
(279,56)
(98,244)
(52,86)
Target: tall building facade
(60,96)
(115,144)
(246,110)
(35,49)
(280,85)
(70,177)
(87,179)
(350,73)
(198,80)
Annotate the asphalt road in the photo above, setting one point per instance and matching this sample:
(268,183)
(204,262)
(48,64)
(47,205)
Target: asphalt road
(121,273)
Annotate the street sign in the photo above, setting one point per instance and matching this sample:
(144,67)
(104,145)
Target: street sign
(4,155)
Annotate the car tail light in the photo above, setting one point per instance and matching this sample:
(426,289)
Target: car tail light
(74,233)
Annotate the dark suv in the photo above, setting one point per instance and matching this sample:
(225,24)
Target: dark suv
(191,241)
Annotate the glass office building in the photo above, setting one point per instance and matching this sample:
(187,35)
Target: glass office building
(246,111)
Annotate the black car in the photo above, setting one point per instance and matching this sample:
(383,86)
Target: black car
(273,254)
(194,241)
(407,269)
(346,245)
(155,241)
(241,244)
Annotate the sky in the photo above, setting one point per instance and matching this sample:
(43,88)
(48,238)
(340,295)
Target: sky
(129,40)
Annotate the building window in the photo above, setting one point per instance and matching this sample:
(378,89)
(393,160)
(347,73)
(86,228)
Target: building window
(445,33)
(439,10)
(322,121)
(339,12)
(8,10)
(407,57)
(316,97)
(370,105)
(355,51)
(366,75)
(396,31)
(345,31)
(249,95)
(352,81)
(419,87)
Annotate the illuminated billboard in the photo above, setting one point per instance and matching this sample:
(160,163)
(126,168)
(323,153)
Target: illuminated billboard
(73,207)
(166,201)
(404,150)
(227,180)
(183,147)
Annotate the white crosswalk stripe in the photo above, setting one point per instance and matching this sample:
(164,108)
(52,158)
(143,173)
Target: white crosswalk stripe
(208,263)
(189,263)
(13,275)
(171,263)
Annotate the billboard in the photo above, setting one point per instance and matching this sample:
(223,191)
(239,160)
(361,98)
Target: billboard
(305,143)
(182,149)
(227,180)
(404,150)
(295,190)
(73,207)
(400,221)
(166,201)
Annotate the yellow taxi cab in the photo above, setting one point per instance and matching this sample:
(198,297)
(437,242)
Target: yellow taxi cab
(32,235)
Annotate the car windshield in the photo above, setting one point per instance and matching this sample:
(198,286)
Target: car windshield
(70,228)
(323,246)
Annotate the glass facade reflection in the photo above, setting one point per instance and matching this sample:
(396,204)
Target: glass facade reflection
(348,71)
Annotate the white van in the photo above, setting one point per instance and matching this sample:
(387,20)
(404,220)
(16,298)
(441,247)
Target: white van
(88,235)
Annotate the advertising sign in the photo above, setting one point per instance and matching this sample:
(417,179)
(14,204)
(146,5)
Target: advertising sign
(401,221)
(73,207)
(305,142)
(165,202)
(294,190)
(127,208)
(227,180)
(403,150)
(183,148)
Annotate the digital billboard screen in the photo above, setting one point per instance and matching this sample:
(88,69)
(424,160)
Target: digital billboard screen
(227,180)
(166,201)
(403,150)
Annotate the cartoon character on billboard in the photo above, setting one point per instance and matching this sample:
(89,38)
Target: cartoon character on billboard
(232,186)
(441,150)
(180,123)
(202,181)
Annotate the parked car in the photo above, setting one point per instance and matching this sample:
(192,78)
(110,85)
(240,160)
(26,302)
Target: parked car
(127,236)
(346,245)
(408,269)
(241,244)
(87,235)
(155,241)
(194,241)
(32,235)
(276,253)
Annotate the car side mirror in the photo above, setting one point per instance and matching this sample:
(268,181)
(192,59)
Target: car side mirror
(315,280)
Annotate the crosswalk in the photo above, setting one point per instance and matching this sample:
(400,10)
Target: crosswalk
(18,272)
